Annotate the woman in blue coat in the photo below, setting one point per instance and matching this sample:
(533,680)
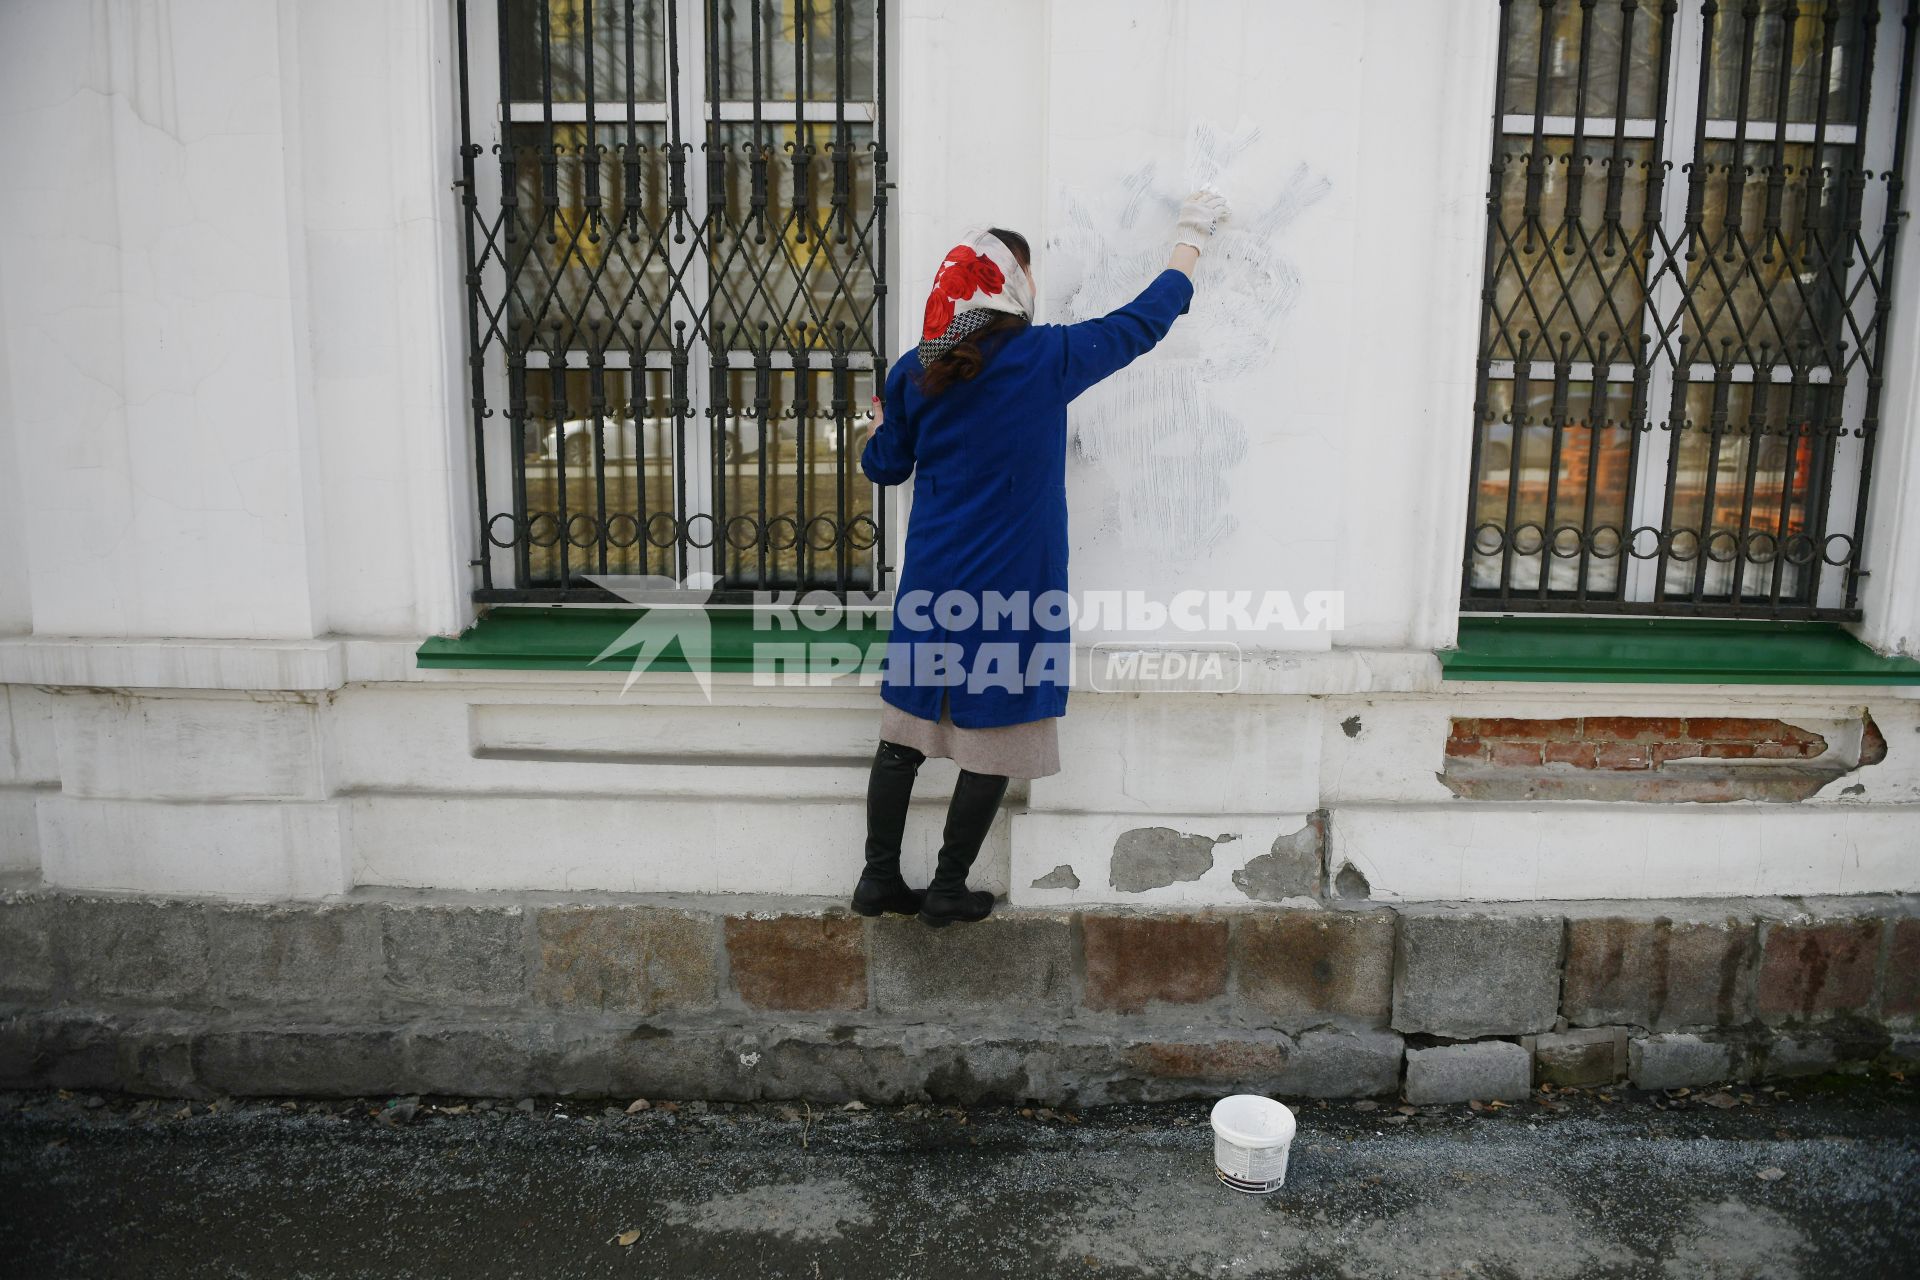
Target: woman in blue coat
(980,653)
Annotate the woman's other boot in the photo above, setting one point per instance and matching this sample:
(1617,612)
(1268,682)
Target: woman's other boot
(976,798)
(889,788)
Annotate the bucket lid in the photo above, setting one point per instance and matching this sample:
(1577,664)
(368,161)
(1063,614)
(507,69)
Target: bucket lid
(1250,1120)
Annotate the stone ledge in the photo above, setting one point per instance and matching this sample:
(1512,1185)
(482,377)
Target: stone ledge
(186,1055)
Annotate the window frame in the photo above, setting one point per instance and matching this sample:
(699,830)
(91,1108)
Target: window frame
(697,563)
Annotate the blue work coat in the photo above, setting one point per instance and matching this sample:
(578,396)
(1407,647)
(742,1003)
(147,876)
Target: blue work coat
(988,459)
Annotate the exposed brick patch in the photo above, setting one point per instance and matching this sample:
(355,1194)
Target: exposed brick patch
(1873,743)
(1639,758)
(1811,970)
(1135,961)
(1299,968)
(799,963)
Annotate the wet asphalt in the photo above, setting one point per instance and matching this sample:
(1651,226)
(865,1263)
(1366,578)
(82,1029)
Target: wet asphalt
(1818,1178)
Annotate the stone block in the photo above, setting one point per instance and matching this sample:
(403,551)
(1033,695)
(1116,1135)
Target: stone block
(470,1060)
(1658,973)
(1462,973)
(451,957)
(1487,1071)
(1817,968)
(1790,1056)
(1900,987)
(1135,962)
(1677,1058)
(1327,1063)
(1583,1056)
(802,963)
(1222,1060)
(26,948)
(1301,968)
(626,959)
(1008,965)
(254,1059)
(284,956)
(130,950)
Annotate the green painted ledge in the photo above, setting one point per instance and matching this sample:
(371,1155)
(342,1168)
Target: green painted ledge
(520,638)
(1667,651)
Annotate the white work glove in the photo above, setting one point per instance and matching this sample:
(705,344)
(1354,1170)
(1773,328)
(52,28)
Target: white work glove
(1200,215)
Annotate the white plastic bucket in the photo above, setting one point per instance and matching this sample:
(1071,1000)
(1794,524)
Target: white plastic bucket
(1251,1136)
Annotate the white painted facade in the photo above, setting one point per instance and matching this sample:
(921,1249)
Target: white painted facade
(234,487)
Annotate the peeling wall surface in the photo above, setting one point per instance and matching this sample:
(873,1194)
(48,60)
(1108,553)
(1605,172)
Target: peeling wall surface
(234,487)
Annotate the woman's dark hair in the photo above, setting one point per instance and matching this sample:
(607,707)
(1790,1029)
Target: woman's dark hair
(967,357)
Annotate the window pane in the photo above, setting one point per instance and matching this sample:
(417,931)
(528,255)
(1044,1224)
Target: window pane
(1771,291)
(628,503)
(1564,19)
(1820,30)
(793,267)
(792,467)
(1565,268)
(581,279)
(1758,476)
(796,43)
(1517,465)
(567,26)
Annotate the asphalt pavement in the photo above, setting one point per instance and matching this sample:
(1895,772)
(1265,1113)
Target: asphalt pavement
(1817,1178)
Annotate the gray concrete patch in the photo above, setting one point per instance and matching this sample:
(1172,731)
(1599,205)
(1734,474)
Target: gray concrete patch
(1463,972)
(1733,1240)
(1061,877)
(1155,857)
(1677,1059)
(1489,1070)
(1291,869)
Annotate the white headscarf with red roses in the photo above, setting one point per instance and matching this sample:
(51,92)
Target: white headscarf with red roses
(979,279)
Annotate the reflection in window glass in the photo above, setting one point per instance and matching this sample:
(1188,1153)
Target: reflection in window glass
(1820,30)
(791,465)
(567,24)
(1757,478)
(615,507)
(1517,466)
(796,41)
(1605,22)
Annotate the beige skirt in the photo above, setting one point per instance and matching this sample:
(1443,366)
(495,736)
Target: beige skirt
(1030,750)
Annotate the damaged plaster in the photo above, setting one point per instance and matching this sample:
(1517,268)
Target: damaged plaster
(1061,877)
(1290,870)
(1155,857)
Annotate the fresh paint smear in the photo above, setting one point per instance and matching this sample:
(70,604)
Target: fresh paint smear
(1164,447)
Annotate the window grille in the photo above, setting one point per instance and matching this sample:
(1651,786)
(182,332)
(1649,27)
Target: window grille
(675,222)
(1691,224)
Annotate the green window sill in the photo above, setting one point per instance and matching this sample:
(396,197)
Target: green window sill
(521,638)
(1667,651)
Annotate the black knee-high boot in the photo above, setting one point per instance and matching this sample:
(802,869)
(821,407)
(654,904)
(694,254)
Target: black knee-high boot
(976,798)
(889,788)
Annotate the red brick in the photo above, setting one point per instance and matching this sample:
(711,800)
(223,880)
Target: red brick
(1807,750)
(1466,748)
(1807,970)
(1900,997)
(1517,754)
(801,963)
(1623,755)
(1729,750)
(1581,755)
(1298,968)
(1632,728)
(1873,743)
(1745,729)
(1135,961)
(1665,751)
(1516,729)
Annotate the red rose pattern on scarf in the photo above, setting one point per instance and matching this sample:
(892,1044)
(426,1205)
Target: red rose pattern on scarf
(962,275)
